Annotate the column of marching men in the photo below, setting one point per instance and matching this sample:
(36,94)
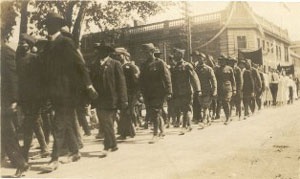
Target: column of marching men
(56,89)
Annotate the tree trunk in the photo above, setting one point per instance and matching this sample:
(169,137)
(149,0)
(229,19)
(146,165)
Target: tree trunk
(77,25)
(24,18)
(69,13)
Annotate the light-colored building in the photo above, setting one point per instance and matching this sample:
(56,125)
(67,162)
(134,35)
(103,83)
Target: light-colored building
(295,57)
(237,27)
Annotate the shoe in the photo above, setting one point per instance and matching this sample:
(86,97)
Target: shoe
(208,122)
(103,154)
(182,132)
(113,149)
(189,129)
(50,167)
(87,134)
(121,138)
(201,125)
(226,122)
(154,139)
(45,153)
(72,158)
(20,171)
(161,135)
(99,136)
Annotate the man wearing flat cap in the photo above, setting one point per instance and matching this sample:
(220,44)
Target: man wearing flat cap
(237,99)
(226,86)
(30,99)
(208,85)
(65,76)
(128,116)
(108,78)
(185,83)
(156,87)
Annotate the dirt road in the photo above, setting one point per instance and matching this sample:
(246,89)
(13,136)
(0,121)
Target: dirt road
(265,146)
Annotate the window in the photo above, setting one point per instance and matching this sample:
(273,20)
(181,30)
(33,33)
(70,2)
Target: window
(268,47)
(272,48)
(258,42)
(264,45)
(286,54)
(279,53)
(241,42)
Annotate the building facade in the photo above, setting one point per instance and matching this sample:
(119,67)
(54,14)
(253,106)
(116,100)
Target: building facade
(295,57)
(237,27)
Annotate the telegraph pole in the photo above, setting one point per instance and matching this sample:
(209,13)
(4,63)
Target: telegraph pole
(188,30)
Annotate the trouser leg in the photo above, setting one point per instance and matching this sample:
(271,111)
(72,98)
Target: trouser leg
(218,108)
(246,101)
(9,141)
(226,107)
(155,116)
(107,121)
(64,129)
(238,105)
(81,116)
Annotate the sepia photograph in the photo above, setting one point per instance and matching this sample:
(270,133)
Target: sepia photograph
(150,89)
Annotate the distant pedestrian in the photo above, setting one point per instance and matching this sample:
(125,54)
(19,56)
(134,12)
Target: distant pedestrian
(208,83)
(185,84)
(128,116)
(156,87)
(226,87)
(109,81)
(248,87)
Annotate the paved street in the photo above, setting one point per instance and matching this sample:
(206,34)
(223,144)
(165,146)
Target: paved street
(264,146)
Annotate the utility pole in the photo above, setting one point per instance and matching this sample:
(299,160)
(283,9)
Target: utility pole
(188,30)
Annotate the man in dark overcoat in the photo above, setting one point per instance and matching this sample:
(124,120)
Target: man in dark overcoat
(29,74)
(109,81)
(248,86)
(65,76)
(257,87)
(185,83)
(237,99)
(9,97)
(259,93)
(156,87)
(208,85)
(226,86)
(128,116)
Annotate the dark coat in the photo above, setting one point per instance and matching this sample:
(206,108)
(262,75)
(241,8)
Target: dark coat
(29,74)
(225,81)
(65,75)
(249,85)
(238,79)
(155,79)
(109,81)
(184,79)
(131,73)
(257,80)
(207,79)
(9,79)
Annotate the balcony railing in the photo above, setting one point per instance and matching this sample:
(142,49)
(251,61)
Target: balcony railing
(196,20)
(267,25)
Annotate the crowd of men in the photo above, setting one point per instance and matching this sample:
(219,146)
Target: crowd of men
(54,87)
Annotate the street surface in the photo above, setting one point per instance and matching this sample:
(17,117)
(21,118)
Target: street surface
(265,146)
